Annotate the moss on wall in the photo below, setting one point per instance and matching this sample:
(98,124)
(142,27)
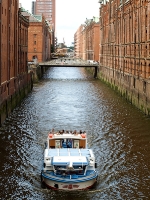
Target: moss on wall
(131,94)
(13,101)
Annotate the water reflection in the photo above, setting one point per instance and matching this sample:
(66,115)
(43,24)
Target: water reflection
(69,98)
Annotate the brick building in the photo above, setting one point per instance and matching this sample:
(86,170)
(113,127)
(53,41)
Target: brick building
(87,39)
(39,37)
(15,82)
(47,8)
(78,40)
(125,49)
(8,46)
(92,32)
(23,43)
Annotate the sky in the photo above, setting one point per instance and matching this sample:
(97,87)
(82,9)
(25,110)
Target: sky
(70,14)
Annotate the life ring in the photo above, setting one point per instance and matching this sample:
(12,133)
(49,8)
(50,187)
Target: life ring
(50,135)
(83,135)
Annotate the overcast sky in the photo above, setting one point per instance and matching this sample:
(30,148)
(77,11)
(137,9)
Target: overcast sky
(70,14)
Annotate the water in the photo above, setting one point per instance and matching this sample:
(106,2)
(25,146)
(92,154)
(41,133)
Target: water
(69,98)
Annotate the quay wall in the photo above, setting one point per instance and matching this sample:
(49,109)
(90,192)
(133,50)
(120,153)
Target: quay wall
(37,72)
(13,93)
(134,90)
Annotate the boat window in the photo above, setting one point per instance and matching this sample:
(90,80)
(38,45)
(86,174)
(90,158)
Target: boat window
(76,144)
(57,143)
(67,143)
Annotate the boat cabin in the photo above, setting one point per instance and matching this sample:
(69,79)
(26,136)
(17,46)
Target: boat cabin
(77,141)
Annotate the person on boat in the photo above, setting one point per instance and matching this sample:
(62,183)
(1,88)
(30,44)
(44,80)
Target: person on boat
(62,131)
(74,132)
(64,143)
(52,130)
(69,144)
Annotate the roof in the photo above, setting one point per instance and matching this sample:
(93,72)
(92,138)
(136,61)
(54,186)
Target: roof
(70,152)
(38,17)
(65,160)
(65,136)
(32,18)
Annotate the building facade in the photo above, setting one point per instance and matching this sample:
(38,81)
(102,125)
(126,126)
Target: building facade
(125,49)
(15,82)
(78,42)
(92,32)
(9,44)
(39,38)
(47,8)
(87,39)
(23,24)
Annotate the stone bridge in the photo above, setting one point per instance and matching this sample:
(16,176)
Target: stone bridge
(71,63)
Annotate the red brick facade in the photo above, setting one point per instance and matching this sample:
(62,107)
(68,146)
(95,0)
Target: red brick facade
(39,45)
(78,42)
(23,43)
(92,41)
(87,39)
(125,49)
(39,38)
(13,53)
(125,35)
(9,42)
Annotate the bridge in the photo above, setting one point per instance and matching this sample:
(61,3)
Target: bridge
(65,62)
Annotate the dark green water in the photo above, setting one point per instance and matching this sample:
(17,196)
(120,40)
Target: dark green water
(71,99)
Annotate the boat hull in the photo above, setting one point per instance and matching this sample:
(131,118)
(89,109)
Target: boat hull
(68,185)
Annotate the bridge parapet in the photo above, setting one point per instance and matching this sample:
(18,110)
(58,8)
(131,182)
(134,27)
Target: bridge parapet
(71,63)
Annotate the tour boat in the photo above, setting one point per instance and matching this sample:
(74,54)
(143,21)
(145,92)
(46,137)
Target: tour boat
(68,163)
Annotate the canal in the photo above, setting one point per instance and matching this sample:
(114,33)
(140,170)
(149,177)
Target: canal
(70,98)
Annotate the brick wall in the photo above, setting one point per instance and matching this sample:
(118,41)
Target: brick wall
(87,38)
(125,49)
(39,40)
(14,77)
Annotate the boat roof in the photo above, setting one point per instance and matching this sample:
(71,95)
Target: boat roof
(70,152)
(65,135)
(65,160)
